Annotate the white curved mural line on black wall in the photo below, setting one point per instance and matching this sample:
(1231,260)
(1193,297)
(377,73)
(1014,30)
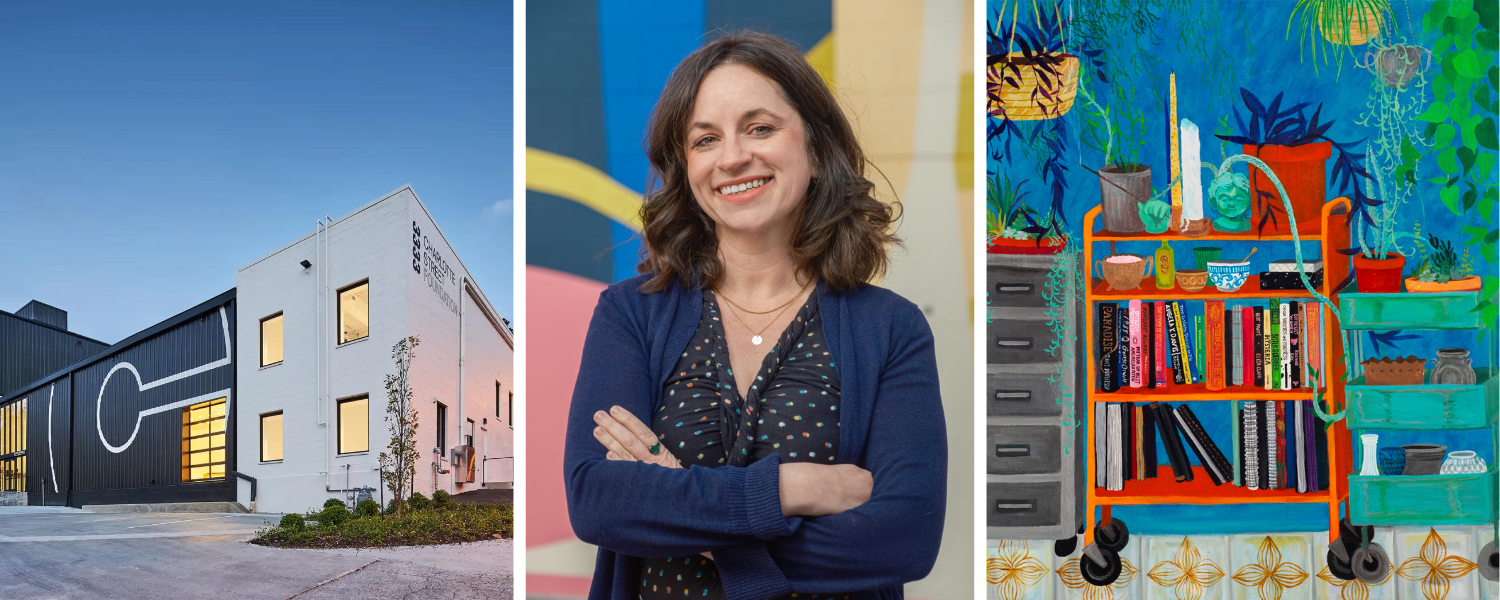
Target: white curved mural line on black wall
(225,393)
(51,462)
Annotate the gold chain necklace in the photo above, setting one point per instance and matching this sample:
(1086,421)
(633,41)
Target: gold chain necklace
(756,339)
(746,310)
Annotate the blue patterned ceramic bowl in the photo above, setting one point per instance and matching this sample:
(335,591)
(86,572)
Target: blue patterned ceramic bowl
(1392,460)
(1228,275)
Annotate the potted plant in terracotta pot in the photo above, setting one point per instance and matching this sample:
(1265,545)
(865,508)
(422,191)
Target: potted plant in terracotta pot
(1011,225)
(1296,147)
(1440,271)
(1378,257)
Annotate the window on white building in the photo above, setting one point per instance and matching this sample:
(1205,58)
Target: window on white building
(354,425)
(270,437)
(270,340)
(354,312)
(442,427)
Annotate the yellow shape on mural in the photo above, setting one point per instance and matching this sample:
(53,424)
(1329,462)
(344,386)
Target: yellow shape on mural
(570,178)
(1268,574)
(1434,567)
(1188,573)
(820,57)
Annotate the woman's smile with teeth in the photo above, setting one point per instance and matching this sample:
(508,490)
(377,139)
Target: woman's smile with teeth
(743,187)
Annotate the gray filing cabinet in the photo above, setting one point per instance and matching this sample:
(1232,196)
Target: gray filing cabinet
(1034,477)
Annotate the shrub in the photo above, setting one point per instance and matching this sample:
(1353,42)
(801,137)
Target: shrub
(395,503)
(334,515)
(293,523)
(332,502)
(366,508)
(418,502)
(442,499)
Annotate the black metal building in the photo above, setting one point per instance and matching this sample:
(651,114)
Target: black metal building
(150,419)
(35,342)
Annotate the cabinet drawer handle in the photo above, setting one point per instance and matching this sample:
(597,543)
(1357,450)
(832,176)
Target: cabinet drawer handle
(1012,450)
(1014,343)
(1015,288)
(1008,506)
(1013,395)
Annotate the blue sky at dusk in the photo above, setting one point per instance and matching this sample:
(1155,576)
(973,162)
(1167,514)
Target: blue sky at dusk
(148,152)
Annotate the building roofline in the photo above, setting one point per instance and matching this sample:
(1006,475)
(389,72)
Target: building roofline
(52,327)
(314,232)
(126,343)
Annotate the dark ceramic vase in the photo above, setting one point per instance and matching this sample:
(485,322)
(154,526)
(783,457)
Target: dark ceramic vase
(1424,459)
(1392,461)
(1454,367)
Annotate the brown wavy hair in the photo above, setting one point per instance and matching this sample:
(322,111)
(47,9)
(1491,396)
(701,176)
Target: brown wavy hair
(844,231)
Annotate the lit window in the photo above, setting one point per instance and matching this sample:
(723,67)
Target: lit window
(354,425)
(270,340)
(13,447)
(354,312)
(203,441)
(270,437)
(442,427)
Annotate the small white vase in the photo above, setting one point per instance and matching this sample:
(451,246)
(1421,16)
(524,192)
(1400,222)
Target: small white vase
(1368,467)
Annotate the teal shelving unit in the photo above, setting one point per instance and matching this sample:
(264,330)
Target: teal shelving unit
(1429,500)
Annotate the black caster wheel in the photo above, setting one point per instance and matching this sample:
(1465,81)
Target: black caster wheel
(1370,564)
(1099,566)
(1112,537)
(1353,536)
(1338,561)
(1489,562)
(1064,548)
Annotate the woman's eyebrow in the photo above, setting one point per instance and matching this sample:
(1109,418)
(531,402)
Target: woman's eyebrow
(749,114)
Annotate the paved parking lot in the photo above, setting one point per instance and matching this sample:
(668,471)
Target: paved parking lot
(65,553)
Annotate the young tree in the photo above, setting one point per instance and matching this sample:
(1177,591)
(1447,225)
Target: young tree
(398,465)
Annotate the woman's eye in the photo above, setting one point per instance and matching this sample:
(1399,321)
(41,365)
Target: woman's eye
(703,141)
(760,129)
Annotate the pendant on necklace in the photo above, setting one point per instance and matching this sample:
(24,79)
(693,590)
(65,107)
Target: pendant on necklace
(755,340)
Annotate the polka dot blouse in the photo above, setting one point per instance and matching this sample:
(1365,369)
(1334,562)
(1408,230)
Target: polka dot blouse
(792,409)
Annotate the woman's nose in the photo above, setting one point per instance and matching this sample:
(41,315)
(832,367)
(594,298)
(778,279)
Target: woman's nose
(734,157)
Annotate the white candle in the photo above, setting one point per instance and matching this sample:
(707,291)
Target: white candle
(1192,180)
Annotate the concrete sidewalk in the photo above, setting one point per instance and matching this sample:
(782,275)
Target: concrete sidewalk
(57,553)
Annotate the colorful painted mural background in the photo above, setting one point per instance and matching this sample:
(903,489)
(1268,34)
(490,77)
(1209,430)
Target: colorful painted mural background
(903,72)
(1415,135)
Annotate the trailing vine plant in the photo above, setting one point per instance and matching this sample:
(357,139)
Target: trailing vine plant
(1063,290)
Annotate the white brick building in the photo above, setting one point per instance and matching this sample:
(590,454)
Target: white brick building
(311,401)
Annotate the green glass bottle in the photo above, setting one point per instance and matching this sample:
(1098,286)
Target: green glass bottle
(1166,267)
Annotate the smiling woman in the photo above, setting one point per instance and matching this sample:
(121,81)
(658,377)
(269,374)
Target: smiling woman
(705,464)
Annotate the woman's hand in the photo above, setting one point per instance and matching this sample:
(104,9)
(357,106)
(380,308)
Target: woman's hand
(627,438)
(813,490)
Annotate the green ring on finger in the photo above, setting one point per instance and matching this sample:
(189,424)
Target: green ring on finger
(656,449)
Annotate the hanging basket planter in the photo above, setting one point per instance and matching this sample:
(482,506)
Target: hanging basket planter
(1363,24)
(1032,88)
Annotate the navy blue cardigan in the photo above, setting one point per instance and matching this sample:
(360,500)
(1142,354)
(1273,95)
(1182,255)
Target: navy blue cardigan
(891,424)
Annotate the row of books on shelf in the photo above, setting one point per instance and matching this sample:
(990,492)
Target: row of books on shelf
(1274,346)
(1276,445)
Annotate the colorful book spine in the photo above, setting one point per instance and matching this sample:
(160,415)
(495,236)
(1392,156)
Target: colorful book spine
(1250,464)
(1208,452)
(1314,342)
(1284,352)
(1263,453)
(1263,353)
(1182,340)
(1273,476)
(1174,346)
(1159,345)
(1101,446)
(1200,367)
(1273,339)
(1294,344)
(1247,321)
(1136,364)
(1289,410)
(1228,346)
(1138,426)
(1214,338)
(1115,463)
(1237,347)
(1122,347)
(1309,443)
(1107,345)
